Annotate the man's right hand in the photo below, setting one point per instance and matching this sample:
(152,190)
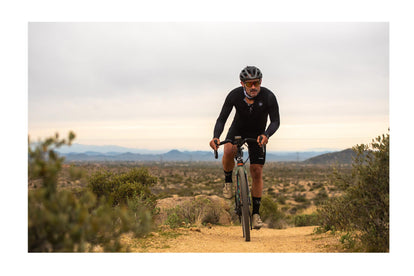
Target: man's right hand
(214,143)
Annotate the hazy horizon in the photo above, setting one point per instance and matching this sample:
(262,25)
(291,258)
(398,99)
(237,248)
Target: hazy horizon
(78,148)
(162,85)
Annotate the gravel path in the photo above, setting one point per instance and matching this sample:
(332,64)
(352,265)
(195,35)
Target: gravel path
(229,239)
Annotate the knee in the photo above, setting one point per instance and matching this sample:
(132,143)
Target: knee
(229,150)
(256,170)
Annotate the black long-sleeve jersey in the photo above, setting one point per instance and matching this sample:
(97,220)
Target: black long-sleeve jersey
(249,120)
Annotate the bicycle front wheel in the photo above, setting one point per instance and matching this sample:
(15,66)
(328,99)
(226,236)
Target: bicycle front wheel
(245,206)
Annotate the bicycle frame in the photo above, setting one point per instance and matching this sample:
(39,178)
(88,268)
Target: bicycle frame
(242,196)
(240,166)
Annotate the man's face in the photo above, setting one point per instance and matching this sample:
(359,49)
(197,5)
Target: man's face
(252,87)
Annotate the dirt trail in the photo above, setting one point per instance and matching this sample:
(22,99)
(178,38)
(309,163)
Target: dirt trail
(229,239)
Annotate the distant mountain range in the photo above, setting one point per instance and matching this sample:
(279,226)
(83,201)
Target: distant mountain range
(79,152)
(110,149)
(340,157)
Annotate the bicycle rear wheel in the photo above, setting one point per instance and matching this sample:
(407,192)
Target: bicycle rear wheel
(245,206)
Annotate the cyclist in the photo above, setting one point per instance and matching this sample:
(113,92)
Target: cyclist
(253,104)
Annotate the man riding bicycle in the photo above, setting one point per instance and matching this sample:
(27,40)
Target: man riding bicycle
(253,105)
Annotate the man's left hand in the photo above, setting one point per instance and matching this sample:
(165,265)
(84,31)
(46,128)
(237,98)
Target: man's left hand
(263,141)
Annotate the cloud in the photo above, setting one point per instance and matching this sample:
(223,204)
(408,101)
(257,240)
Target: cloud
(99,72)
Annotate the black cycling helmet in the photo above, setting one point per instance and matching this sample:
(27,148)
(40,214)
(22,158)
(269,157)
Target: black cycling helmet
(250,73)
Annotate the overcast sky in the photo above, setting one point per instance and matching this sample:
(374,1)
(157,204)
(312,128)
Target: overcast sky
(162,85)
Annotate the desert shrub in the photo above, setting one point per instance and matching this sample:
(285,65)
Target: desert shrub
(293,210)
(76,173)
(364,206)
(281,199)
(306,220)
(118,188)
(320,197)
(349,240)
(270,213)
(44,163)
(317,186)
(174,217)
(271,192)
(298,197)
(65,221)
(193,212)
(303,206)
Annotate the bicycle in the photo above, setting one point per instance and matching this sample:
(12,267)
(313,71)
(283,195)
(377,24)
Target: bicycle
(242,194)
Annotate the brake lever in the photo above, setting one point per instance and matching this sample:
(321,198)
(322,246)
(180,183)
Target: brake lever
(215,151)
(263,146)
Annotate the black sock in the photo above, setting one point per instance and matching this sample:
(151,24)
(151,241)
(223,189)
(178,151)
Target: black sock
(228,176)
(256,204)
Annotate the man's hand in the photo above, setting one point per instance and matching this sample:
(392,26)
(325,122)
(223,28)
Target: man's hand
(214,143)
(262,140)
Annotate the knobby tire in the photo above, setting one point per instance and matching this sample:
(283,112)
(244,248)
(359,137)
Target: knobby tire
(245,208)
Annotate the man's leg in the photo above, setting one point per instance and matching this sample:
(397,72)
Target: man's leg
(256,171)
(228,157)
(228,165)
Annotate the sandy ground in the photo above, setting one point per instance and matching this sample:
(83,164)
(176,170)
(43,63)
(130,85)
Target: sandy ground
(229,239)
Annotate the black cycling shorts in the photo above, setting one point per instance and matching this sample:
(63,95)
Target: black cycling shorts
(257,155)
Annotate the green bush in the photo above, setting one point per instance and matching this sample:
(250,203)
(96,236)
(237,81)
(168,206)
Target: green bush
(320,197)
(118,188)
(349,240)
(44,163)
(174,217)
(306,220)
(67,221)
(193,212)
(281,199)
(364,205)
(299,197)
(76,173)
(270,213)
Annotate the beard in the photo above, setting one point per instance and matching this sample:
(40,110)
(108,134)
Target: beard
(250,92)
(253,92)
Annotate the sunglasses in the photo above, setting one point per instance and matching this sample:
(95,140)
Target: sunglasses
(255,83)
